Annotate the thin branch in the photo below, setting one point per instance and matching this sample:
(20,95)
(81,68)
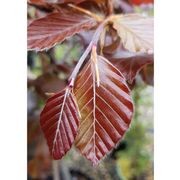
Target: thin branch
(85,11)
(94,41)
(110,7)
(102,40)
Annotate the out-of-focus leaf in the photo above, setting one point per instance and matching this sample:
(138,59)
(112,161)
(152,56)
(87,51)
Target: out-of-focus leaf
(34,130)
(147,74)
(46,32)
(41,4)
(48,83)
(61,1)
(131,66)
(139,2)
(37,1)
(32,99)
(59,121)
(77,1)
(105,106)
(40,165)
(135,31)
(123,6)
(110,49)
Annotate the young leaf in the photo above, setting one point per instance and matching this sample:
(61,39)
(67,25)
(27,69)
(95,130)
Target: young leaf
(46,32)
(105,106)
(135,31)
(59,121)
(131,66)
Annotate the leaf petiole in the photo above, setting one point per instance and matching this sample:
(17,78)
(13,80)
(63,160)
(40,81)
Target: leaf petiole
(85,11)
(93,42)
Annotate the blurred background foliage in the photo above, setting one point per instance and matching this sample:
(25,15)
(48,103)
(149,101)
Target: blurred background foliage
(132,159)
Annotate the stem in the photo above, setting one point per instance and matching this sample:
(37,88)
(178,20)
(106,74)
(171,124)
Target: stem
(110,7)
(55,170)
(94,59)
(94,41)
(89,13)
(102,41)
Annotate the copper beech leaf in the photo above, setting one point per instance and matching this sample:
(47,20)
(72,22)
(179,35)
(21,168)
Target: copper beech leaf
(46,32)
(105,106)
(131,66)
(59,121)
(135,31)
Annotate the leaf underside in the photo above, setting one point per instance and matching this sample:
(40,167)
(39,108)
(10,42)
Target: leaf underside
(46,32)
(135,31)
(106,111)
(131,66)
(59,121)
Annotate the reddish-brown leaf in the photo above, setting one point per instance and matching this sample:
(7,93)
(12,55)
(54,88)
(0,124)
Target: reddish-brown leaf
(46,32)
(131,66)
(48,83)
(41,4)
(139,2)
(105,106)
(59,121)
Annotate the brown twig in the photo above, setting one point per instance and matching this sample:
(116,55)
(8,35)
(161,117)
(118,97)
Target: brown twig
(110,7)
(85,11)
(93,42)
